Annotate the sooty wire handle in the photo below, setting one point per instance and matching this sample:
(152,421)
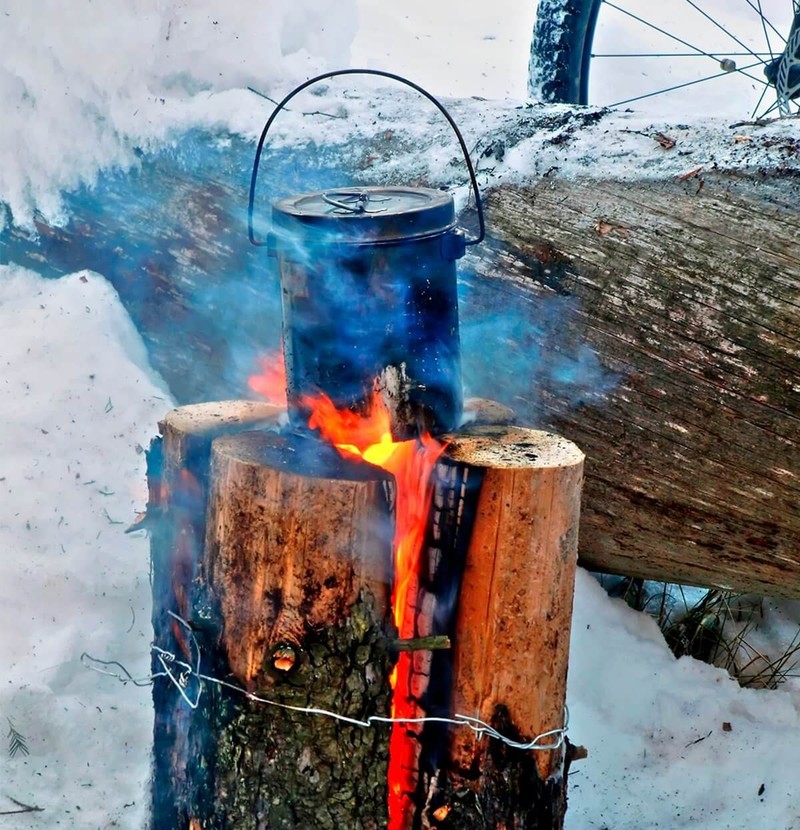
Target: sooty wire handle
(381,74)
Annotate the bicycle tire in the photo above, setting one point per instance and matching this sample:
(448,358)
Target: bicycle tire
(561,50)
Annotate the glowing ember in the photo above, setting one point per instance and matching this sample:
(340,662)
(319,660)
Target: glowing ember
(271,383)
(368,437)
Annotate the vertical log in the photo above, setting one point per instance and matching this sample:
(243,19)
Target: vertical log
(177,466)
(297,561)
(512,630)
(278,558)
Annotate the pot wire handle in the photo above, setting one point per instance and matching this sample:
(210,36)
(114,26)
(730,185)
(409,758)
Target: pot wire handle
(381,74)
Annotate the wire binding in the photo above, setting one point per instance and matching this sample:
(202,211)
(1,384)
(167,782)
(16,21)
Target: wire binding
(180,673)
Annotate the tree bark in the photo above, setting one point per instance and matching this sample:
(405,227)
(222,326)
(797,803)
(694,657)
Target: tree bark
(692,298)
(512,627)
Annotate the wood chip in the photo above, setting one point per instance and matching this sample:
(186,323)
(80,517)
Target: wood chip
(665,141)
(689,173)
(739,139)
(578,752)
(603,228)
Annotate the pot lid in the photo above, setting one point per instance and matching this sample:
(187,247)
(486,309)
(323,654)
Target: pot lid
(366,214)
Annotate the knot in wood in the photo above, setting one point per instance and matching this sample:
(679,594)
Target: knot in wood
(284,658)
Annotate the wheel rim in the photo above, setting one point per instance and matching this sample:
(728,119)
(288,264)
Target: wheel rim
(706,56)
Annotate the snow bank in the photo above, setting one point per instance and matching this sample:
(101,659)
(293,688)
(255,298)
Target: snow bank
(672,743)
(77,403)
(82,87)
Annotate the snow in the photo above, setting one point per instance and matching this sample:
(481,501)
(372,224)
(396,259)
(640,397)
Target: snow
(82,88)
(77,96)
(80,91)
(659,753)
(78,401)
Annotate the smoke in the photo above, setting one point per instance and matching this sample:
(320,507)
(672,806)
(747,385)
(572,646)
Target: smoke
(528,352)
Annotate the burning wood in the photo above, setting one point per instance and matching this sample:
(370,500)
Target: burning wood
(290,602)
(363,568)
(369,437)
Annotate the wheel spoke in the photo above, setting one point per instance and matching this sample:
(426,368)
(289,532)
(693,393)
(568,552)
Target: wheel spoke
(669,54)
(771,109)
(766,33)
(721,27)
(757,10)
(688,83)
(758,103)
(663,32)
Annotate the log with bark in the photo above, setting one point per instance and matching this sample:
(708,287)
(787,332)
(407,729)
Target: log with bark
(693,300)
(286,602)
(512,628)
(685,289)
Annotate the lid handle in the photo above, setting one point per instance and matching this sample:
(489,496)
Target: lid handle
(351,202)
(354,208)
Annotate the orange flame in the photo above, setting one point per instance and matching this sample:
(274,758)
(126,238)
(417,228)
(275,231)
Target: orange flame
(369,437)
(271,383)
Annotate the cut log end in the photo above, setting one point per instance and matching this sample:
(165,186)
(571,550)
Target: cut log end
(508,447)
(215,418)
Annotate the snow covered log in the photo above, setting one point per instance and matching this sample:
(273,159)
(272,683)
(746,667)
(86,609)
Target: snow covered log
(684,287)
(691,295)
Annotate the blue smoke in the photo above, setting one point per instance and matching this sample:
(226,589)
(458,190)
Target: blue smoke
(528,351)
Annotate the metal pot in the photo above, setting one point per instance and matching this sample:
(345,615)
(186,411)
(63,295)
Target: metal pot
(368,283)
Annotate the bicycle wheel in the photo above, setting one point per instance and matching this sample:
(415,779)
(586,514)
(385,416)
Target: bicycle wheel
(730,57)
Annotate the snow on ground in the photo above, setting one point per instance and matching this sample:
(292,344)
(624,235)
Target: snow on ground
(77,403)
(672,743)
(82,90)
(90,88)
(82,86)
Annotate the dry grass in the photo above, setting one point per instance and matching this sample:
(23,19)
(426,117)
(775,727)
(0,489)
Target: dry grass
(718,628)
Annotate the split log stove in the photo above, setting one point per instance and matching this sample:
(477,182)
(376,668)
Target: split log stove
(361,620)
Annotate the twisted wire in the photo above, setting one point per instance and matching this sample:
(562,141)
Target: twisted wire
(180,673)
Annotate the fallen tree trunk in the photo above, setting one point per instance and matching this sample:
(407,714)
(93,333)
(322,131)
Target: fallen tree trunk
(692,298)
(684,292)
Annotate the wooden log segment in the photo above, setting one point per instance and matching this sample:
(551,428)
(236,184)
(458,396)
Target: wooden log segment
(297,561)
(512,628)
(690,297)
(178,463)
(272,568)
